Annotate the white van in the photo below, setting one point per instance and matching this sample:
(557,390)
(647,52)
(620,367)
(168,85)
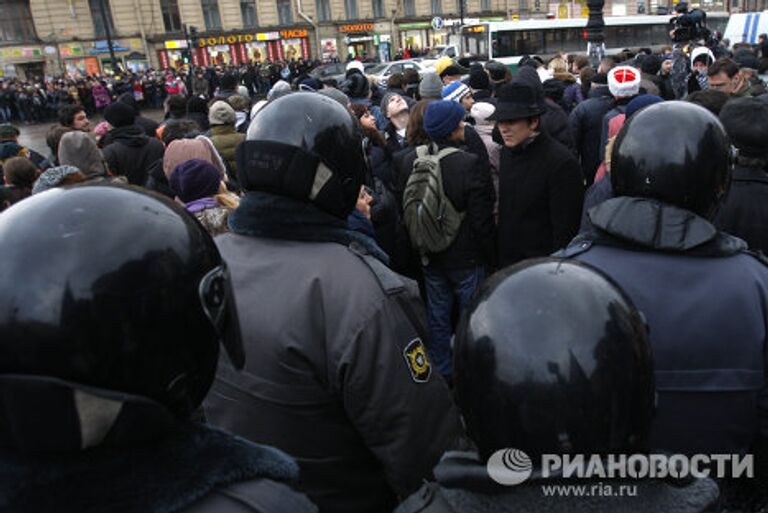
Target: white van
(745,27)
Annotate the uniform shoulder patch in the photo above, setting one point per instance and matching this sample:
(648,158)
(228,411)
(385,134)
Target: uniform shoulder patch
(415,354)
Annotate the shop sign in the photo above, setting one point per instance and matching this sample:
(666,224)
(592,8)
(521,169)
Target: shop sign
(437,23)
(357,27)
(360,39)
(19,52)
(249,38)
(71,50)
(103,47)
(418,25)
(293,33)
(175,45)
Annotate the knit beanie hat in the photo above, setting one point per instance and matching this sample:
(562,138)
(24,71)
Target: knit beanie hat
(238,103)
(478,79)
(455,91)
(481,111)
(431,87)
(77,149)
(52,177)
(182,150)
(441,118)
(221,113)
(442,64)
(280,88)
(624,81)
(640,102)
(194,179)
(332,92)
(356,86)
(119,114)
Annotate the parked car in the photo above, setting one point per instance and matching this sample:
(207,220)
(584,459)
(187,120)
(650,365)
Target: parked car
(382,72)
(335,71)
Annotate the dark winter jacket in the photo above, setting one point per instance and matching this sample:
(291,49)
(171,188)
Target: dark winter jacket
(744,213)
(540,199)
(704,299)
(330,338)
(586,122)
(464,486)
(469,187)
(619,107)
(130,153)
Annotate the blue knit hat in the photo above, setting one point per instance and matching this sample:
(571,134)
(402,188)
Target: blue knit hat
(455,91)
(442,117)
(640,102)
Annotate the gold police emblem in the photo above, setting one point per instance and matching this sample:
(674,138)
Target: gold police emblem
(418,363)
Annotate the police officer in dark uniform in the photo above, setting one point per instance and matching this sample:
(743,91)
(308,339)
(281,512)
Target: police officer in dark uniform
(112,305)
(551,359)
(337,373)
(703,293)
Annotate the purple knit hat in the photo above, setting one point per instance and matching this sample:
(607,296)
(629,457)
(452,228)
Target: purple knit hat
(194,179)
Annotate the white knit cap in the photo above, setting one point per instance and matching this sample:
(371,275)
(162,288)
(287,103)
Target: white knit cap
(699,50)
(624,81)
(356,65)
(480,111)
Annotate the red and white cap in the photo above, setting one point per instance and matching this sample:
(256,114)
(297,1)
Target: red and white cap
(624,81)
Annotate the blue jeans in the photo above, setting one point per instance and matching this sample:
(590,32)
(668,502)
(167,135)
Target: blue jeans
(444,286)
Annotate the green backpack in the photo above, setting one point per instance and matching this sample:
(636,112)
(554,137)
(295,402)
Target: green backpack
(430,218)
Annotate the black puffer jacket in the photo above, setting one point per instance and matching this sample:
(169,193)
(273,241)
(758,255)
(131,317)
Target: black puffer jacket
(131,153)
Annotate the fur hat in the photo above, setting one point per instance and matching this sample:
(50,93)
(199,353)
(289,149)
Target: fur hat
(221,113)
(624,81)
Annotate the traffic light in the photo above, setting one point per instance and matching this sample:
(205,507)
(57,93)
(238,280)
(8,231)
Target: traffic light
(193,37)
(186,56)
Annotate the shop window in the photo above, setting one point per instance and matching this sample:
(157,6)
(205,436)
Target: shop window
(248,10)
(437,6)
(211,14)
(100,12)
(171,16)
(485,5)
(350,8)
(323,10)
(409,6)
(16,21)
(284,13)
(378,8)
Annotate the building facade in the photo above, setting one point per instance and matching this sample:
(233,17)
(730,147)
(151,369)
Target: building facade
(52,37)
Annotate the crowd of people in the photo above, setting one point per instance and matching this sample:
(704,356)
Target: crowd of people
(566,258)
(38,99)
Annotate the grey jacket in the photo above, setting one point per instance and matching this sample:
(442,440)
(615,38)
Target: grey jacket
(335,372)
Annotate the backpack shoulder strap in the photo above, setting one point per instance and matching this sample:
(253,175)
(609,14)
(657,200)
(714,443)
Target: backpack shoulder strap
(445,152)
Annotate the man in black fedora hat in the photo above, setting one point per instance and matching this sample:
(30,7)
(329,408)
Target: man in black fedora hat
(540,185)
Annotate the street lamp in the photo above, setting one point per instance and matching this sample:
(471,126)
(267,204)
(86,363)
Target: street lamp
(595,36)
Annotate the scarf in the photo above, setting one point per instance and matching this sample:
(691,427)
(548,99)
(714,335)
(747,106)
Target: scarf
(261,214)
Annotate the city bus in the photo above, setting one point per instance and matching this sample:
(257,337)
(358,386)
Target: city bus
(508,41)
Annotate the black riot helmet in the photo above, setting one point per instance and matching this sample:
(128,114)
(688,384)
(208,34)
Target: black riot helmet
(675,152)
(113,288)
(552,357)
(305,146)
